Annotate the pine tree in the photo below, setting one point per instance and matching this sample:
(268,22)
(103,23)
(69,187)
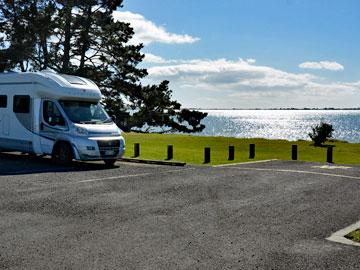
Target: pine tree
(17,41)
(82,38)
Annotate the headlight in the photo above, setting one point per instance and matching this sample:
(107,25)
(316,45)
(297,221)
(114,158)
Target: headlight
(81,131)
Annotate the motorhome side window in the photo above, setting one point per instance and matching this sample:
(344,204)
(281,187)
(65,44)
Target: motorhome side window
(3,101)
(51,114)
(21,104)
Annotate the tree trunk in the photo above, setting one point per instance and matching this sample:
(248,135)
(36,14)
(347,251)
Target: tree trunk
(67,38)
(85,39)
(45,51)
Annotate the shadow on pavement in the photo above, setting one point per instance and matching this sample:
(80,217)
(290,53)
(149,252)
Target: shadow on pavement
(17,163)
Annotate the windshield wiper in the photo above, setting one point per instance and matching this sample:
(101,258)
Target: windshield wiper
(90,122)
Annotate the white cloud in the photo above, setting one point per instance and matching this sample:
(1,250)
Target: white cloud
(334,66)
(243,84)
(155,59)
(148,32)
(222,73)
(251,61)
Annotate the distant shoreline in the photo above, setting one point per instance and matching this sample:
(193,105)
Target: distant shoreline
(277,109)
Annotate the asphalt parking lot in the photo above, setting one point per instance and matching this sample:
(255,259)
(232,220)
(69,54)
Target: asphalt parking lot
(273,215)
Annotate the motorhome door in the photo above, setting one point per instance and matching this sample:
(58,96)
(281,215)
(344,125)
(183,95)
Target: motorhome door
(4,117)
(4,122)
(52,125)
(5,125)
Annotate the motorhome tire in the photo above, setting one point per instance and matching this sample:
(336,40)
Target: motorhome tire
(62,153)
(109,162)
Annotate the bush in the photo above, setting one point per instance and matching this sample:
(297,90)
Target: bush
(320,133)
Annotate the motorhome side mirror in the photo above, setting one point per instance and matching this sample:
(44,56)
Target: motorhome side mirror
(113,117)
(52,121)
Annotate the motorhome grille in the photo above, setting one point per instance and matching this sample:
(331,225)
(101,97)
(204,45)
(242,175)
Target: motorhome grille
(109,147)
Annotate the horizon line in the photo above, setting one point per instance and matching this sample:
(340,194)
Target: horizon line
(279,109)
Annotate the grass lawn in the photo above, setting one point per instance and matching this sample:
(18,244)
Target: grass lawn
(355,235)
(190,149)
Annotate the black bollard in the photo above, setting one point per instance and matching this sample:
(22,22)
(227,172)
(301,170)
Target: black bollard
(207,155)
(294,155)
(231,152)
(170,152)
(252,151)
(329,156)
(136,149)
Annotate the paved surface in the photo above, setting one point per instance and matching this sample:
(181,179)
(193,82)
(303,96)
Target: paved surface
(273,215)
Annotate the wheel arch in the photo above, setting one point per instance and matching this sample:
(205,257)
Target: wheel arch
(62,141)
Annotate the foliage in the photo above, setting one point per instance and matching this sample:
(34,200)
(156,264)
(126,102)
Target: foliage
(355,235)
(82,38)
(321,133)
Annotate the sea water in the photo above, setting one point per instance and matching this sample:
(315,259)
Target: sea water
(281,124)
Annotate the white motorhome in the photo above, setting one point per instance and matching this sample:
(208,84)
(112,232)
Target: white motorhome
(47,113)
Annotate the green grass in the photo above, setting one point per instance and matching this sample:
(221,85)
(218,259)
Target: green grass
(190,149)
(355,235)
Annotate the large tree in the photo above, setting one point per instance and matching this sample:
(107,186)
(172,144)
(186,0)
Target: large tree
(82,38)
(16,35)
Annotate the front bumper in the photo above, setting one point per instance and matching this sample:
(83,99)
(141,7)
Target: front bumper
(99,148)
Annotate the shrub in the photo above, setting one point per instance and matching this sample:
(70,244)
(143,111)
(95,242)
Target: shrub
(320,133)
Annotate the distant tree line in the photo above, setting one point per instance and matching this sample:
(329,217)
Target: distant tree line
(81,38)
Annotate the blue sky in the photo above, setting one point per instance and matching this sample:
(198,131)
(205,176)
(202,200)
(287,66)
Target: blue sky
(251,53)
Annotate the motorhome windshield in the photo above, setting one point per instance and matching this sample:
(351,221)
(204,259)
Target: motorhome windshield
(84,112)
